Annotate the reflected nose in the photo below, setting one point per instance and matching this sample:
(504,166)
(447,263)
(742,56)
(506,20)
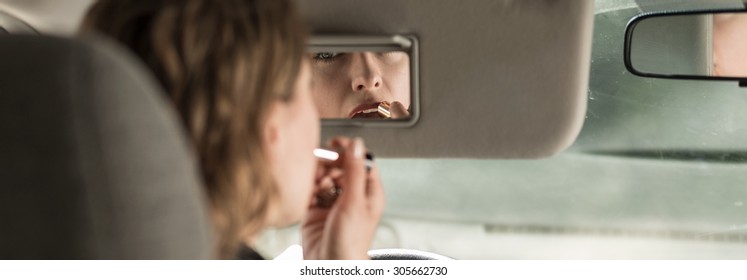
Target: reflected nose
(366,73)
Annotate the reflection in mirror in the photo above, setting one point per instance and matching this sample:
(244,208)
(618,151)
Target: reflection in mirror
(696,45)
(361,85)
(730,45)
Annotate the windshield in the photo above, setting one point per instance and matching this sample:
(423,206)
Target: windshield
(659,171)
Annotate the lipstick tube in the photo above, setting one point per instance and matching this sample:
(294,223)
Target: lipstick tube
(384,110)
(331,156)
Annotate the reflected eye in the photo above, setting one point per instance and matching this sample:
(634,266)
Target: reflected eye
(326,57)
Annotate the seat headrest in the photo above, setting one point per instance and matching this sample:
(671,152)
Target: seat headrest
(93,161)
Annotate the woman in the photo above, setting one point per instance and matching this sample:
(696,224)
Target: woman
(236,72)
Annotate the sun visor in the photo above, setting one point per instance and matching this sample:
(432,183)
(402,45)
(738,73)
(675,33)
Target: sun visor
(662,5)
(497,79)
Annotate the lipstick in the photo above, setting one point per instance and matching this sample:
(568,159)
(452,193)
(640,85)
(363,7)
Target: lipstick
(384,110)
(331,156)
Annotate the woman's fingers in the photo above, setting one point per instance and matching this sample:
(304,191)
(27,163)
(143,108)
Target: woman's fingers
(354,179)
(350,222)
(339,142)
(399,111)
(350,174)
(375,192)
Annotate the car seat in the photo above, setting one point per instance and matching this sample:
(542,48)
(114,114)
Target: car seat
(93,161)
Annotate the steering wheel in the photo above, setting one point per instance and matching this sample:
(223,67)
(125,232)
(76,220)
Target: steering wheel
(404,254)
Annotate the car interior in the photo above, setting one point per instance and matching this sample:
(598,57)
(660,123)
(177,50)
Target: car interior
(534,129)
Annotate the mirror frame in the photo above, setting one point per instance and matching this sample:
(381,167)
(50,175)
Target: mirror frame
(375,43)
(630,28)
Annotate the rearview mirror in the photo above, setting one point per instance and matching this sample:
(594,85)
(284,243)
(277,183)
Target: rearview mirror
(688,45)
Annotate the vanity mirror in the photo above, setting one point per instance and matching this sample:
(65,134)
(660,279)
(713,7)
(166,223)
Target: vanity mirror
(365,80)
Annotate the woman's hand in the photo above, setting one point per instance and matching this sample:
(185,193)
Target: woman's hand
(399,111)
(346,229)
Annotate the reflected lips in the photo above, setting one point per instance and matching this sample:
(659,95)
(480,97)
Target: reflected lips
(377,110)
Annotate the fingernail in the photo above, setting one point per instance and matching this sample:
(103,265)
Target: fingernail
(369,161)
(358,149)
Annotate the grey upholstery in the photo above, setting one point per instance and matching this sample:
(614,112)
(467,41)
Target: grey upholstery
(93,163)
(12,25)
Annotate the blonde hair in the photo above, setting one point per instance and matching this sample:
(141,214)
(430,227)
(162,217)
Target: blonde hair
(222,63)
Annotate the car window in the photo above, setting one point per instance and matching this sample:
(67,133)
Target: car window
(656,159)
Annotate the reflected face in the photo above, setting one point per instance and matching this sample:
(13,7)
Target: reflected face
(730,45)
(351,85)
